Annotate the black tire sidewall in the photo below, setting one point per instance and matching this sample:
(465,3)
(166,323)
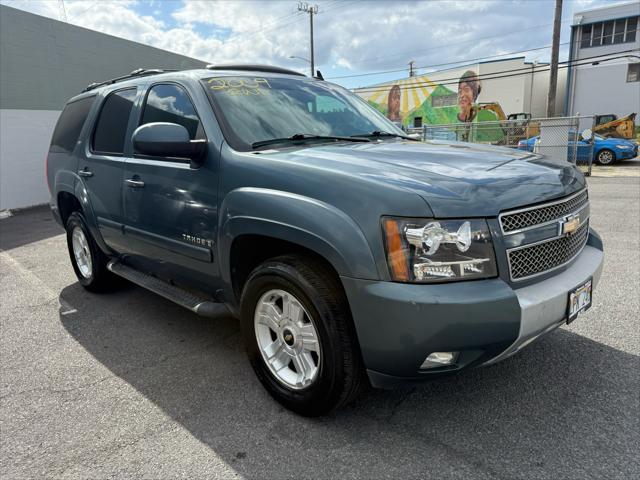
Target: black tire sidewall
(613,156)
(76,219)
(323,392)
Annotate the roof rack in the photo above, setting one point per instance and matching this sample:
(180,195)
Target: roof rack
(256,68)
(140,72)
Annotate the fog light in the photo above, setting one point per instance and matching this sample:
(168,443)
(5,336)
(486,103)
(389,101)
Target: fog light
(439,359)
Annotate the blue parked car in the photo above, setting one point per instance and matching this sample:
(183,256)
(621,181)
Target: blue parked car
(606,151)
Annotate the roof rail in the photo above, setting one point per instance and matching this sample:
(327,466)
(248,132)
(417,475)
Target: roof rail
(140,72)
(256,68)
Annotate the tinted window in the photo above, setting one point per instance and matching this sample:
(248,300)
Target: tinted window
(69,125)
(170,103)
(111,127)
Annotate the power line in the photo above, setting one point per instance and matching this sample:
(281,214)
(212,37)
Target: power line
(498,75)
(446,63)
(239,37)
(470,60)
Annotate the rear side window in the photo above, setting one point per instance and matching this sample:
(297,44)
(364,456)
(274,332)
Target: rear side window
(70,124)
(170,103)
(111,126)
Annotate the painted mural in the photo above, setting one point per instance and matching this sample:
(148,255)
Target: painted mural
(405,100)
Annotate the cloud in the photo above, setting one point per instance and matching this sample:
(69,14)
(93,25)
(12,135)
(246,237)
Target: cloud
(356,36)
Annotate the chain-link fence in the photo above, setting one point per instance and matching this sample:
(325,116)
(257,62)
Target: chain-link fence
(561,138)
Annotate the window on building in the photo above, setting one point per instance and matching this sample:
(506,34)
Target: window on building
(618,30)
(632,27)
(607,33)
(585,40)
(633,72)
(621,30)
(170,103)
(111,127)
(444,100)
(70,124)
(417,122)
(596,40)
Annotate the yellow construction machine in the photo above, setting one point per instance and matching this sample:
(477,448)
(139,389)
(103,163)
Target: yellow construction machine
(609,125)
(519,126)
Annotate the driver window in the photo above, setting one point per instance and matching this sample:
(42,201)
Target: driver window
(170,103)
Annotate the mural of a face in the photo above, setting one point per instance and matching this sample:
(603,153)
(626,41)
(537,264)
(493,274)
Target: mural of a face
(393,103)
(465,96)
(468,91)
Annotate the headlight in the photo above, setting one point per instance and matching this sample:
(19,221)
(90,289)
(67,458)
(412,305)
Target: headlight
(420,250)
(623,147)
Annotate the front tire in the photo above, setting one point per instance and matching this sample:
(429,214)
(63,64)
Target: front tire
(606,157)
(299,335)
(88,261)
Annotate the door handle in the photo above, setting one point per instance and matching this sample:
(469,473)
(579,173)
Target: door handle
(85,173)
(134,183)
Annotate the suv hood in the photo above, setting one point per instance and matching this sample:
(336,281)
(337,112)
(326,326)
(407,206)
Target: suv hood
(455,179)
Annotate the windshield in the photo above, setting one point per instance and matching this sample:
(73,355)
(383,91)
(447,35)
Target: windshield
(257,109)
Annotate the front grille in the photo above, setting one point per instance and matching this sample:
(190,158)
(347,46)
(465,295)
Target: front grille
(542,257)
(545,213)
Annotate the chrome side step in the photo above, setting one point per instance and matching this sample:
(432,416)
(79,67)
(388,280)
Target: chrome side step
(198,305)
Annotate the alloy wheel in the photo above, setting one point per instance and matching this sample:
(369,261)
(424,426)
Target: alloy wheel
(81,252)
(287,339)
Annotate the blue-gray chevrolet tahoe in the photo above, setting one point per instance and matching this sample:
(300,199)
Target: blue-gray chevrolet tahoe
(351,253)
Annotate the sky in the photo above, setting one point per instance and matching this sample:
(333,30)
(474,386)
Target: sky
(352,38)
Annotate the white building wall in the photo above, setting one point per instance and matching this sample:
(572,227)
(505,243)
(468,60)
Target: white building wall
(44,62)
(537,89)
(508,91)
(603,88)
(25,140)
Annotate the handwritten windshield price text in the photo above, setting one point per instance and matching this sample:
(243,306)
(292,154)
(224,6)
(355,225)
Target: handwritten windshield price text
(240,86)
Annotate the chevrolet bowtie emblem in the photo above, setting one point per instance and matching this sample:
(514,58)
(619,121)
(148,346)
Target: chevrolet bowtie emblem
(570,224)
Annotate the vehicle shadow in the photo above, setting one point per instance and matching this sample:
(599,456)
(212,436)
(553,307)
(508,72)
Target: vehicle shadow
(541,414)
(28,226)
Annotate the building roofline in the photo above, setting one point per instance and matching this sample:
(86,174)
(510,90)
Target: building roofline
(502,59)
(390,82)
(96,32)
(604,7)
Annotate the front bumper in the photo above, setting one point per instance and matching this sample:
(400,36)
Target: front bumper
(626,154)
(398,324)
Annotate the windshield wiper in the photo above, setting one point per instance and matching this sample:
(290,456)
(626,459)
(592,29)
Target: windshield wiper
(299,137)
(378,134)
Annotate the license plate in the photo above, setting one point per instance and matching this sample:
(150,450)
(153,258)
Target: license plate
(579,300)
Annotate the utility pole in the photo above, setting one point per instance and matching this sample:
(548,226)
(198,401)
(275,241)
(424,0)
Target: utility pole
(553,73)
(412,72)
(311,10)
(62,11)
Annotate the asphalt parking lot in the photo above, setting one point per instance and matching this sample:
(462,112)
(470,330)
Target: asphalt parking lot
(127,384)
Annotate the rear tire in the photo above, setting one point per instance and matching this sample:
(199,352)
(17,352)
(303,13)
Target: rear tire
(336,374)
(605,157)
(88,261)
